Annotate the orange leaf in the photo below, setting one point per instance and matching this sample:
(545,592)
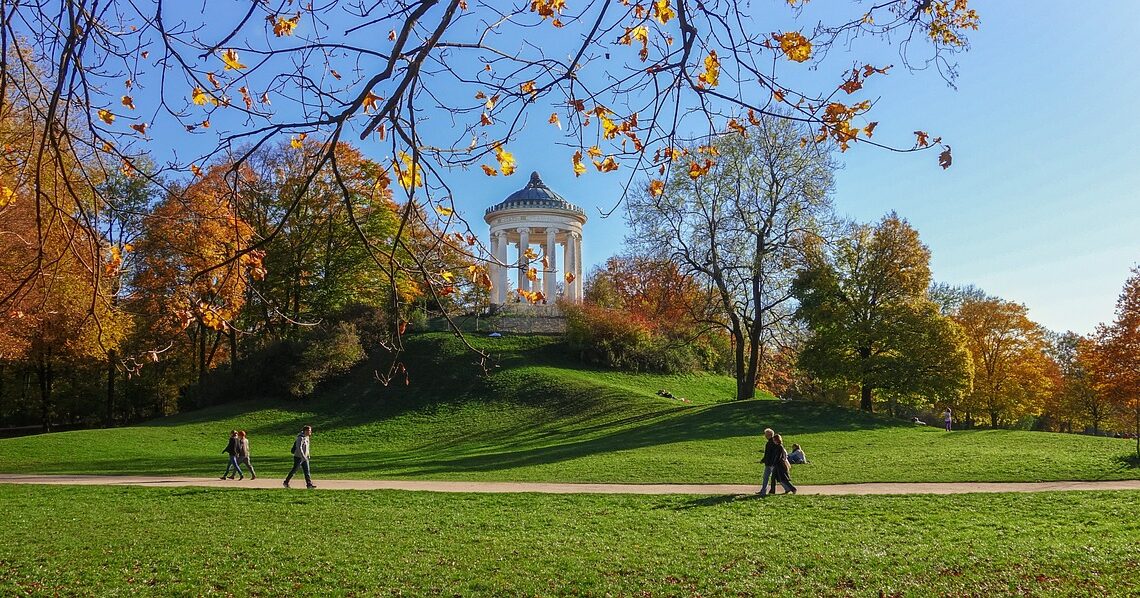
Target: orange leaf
(230,57)
(921,139)
(128,102)
(554,120)
(487,170)
(656,187)
(106,116)
(141,128)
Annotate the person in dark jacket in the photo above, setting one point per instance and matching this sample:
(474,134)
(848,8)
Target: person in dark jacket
(770,451)
(233,448)
(782,469)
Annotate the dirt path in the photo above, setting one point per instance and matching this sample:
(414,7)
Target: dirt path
(561,488)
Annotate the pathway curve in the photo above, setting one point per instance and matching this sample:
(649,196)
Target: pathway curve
(562,488)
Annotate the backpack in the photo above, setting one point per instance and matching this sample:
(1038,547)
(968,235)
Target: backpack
(294,449)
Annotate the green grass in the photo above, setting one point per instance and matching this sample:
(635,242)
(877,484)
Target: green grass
(540,417)
(103,541)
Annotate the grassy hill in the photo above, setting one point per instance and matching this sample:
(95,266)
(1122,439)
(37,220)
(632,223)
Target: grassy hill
(541,417)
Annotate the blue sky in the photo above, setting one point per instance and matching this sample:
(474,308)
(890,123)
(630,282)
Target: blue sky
(1041,205)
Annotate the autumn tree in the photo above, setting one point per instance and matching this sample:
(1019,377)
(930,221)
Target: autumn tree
(739,221)
(1011,365)
(191,268)
(1078,396)
(1119,362)
(438,85)
(872,323)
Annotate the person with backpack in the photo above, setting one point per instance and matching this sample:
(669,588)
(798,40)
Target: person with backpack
(769,461)
(301,457)
(233,448)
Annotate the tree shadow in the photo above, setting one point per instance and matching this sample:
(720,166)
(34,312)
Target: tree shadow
(1129,461)
(711,501)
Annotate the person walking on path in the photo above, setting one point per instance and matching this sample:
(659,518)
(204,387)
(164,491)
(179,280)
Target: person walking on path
(233,448)
(946,418)
(783,469)
(770,452)
(243,454)
(301,457)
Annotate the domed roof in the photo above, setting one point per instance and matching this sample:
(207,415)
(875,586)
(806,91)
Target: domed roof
(535,195)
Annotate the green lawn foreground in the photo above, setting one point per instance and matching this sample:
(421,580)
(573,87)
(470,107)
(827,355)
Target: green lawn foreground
(102,541)
(542,417)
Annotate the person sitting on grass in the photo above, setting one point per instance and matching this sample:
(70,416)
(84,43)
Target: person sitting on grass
(797,455)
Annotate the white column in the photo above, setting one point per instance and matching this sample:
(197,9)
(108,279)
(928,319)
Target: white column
(524,264)
(550,276)
(578,267)
(501,268)
(571,267)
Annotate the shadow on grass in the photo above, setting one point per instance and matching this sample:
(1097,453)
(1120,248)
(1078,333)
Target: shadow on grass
(712,501)
(1129,461)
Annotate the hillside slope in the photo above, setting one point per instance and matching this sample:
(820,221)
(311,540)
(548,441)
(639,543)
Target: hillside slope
(540,417)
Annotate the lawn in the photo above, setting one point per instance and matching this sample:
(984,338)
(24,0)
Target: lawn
(145,541)
(540,417)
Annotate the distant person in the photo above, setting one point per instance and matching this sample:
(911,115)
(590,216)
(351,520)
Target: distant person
(797,456)
(233,448)
(783,469)
(769,461)
(301,457)
(918,422)
(946,418)
(243,454)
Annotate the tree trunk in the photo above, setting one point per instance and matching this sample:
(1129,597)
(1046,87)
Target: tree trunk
(110,388)
(865,402)
(44,375)
(233,352)
(993,419)
(743,391)
(201,353)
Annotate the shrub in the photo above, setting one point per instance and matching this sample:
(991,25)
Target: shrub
(325,354)
(618,339)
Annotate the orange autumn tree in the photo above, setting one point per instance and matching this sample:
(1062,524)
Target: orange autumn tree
(192,271)
(438,85)
(1119,352)
(1012,370)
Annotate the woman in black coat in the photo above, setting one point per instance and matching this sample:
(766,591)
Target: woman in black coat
(783,470)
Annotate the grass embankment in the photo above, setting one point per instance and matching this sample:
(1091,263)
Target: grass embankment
(541,417)
(144,541)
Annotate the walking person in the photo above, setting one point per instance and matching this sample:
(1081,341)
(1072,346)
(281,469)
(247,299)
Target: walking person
(243,454)
(783,469)
(233,448)
(301,457)
(770,451)
(946,418)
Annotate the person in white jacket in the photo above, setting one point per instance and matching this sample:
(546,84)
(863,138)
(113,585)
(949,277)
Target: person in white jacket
(301,457)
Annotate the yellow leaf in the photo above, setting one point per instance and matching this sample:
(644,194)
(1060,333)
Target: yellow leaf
(298,141)
(407,172)
(230,57)
(607,165)
(106,116)
(656,187)
(531,274)
(487,170)
(528,87)
(530,254)
(283,26)
(554,120)
(506,160)
(579,168)
(198,96)
(569,277)
(711,76)
(662,11)
(448,276)
(128,102)
(7,196)
(445,212)
(594,152)
(794,45)
(491,101)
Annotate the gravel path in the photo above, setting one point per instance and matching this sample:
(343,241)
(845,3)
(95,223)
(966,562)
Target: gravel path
(561,488)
